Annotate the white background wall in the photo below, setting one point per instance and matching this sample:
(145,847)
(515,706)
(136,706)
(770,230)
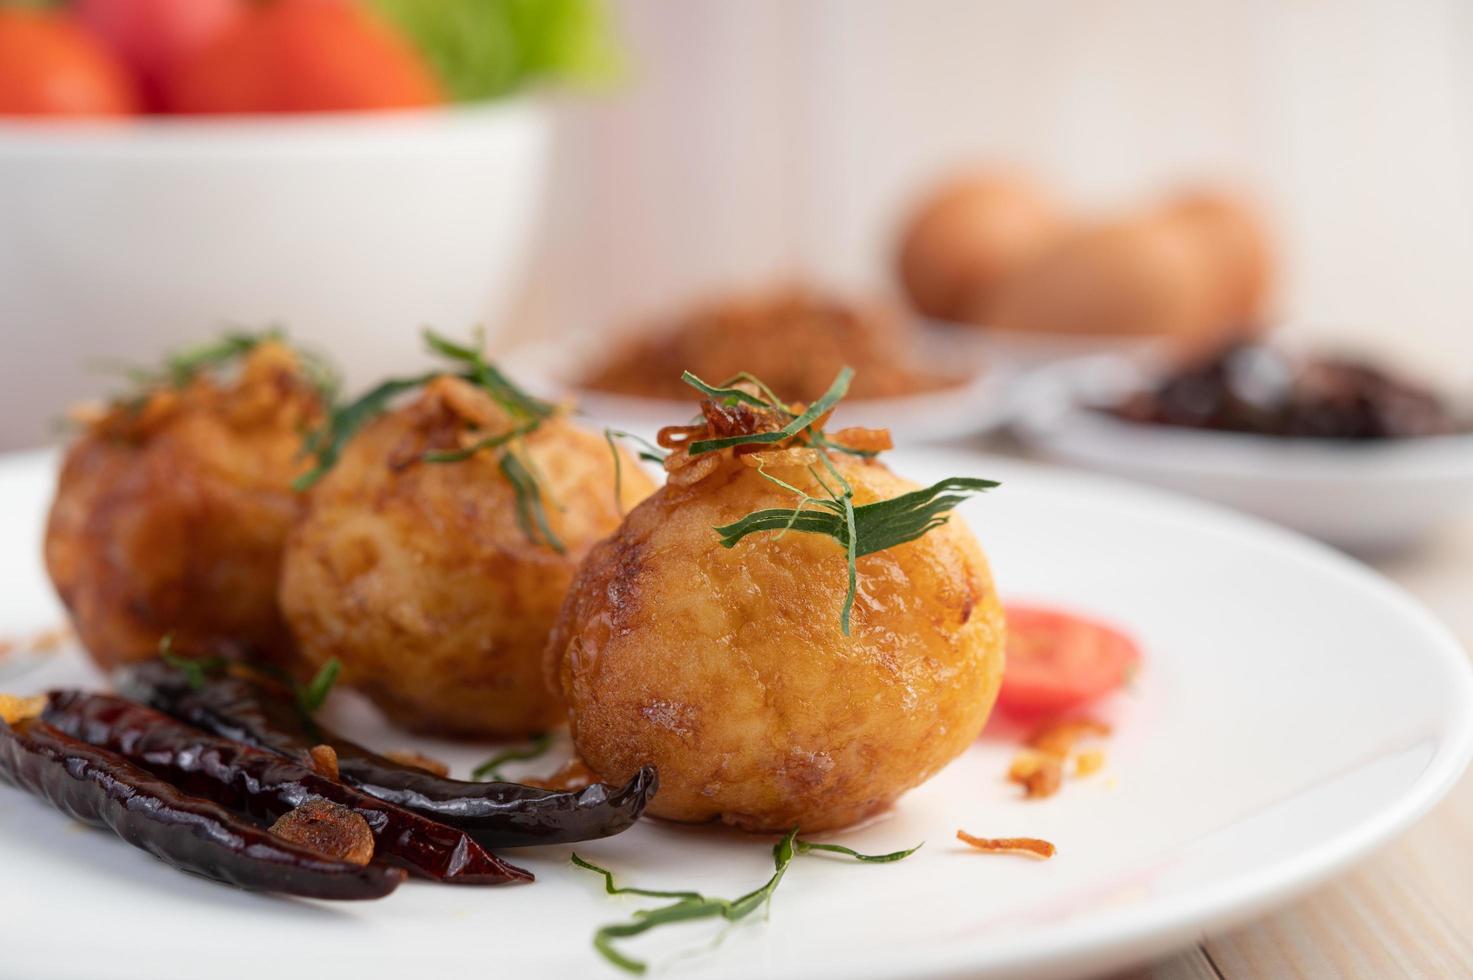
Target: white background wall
(768,136)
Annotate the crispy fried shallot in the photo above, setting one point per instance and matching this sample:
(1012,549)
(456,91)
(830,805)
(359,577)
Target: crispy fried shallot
(328,828)
(1040,767)
(15,709)
(324,760)
(1040,774)
(409,757)
(1031,846)
(574,775)
(863,440)
(1058,738)
(1089,762)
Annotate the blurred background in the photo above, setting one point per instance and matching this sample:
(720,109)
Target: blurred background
(1003,187)
(760,138)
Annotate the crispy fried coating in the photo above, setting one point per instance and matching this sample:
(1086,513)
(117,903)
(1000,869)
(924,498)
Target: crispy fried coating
(170,514)
(728,670)
(419,578)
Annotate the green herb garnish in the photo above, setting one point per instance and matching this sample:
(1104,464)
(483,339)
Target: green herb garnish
(490,442)
(531,515)
(694,905)
(183,366)
(481,372)
(830,398)
(311,695)
(648,452)
(491,768)
(344,421)
(859,530)
(327,443)
(196,669)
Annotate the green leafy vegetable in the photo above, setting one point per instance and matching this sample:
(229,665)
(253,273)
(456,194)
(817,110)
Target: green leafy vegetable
(491,768)
(311,696)
(481,49)
(694,905)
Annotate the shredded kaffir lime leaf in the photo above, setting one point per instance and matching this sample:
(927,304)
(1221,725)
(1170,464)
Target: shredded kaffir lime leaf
(491,768)
(859,530)
(326,444)
(694,905)
(310,696)
(648,453)
(196,669)
(180,367)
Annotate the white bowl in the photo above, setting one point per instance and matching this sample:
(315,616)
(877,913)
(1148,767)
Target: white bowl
(119,241)
(1364,497)
(977,401)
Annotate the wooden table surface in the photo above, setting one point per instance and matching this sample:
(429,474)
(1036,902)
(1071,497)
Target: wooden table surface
(1407,911)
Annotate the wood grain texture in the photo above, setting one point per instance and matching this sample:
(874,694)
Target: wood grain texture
(1408,910)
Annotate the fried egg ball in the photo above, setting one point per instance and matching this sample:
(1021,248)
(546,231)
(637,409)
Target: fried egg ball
(727,668)
(171,513)
(968,238)
(1146,277)
(419,576)
(1234,238)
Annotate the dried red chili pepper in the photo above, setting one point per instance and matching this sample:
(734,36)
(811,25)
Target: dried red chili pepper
(103,789)
(495,814)
(266,786)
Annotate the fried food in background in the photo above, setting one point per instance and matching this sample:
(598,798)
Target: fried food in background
(1133,278)
(419,577)
(794,338)
(171,513)
(970,237)
(727,668)
(994,252)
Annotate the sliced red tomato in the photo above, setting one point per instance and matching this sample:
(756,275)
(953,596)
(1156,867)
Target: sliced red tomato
(1057,661)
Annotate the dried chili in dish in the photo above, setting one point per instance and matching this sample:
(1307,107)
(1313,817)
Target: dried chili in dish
(495,814)
(266,786)
(103,789)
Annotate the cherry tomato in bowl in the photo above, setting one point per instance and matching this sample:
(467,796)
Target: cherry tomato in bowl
(51,67)
(1057,661)
(152,36)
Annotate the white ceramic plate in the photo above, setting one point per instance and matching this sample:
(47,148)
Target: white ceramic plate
(1294,711)
(1368,498)
(975,405)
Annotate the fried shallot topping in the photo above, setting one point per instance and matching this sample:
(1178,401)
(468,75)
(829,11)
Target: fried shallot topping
(15,709)
(324,760)
(1039,774)
(1031,846)
(574,775)
(328,828)
(1089,762)
(409,757)
(1039,769)
(1059,737)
